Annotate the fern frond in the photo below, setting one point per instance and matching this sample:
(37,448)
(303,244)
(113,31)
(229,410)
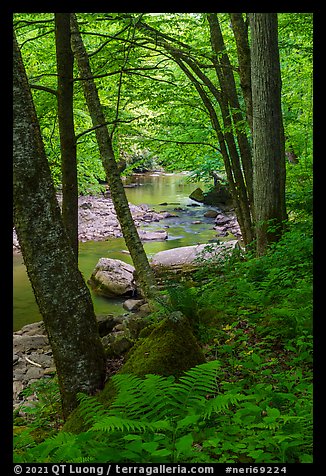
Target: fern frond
(116,423)
(138,397)
(196,383)
(90,408)
(221,402)
(60,448)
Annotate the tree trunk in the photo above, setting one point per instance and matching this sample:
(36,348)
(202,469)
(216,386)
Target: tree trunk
(228,87)
(240,31)
(65,65)
(268,135)
(60,291)
(144,272)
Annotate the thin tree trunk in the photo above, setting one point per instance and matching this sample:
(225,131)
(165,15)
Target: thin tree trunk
(62,296)
(144,272)
(65,65)
(268,135)
(240,30)
(228,87)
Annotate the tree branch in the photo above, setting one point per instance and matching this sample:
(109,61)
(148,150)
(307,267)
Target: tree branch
(107,123)
(181,142)
(44,88)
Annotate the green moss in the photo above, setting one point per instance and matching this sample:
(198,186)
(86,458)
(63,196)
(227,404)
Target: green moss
(170,349)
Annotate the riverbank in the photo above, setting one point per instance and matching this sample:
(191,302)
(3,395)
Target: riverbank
(97,221)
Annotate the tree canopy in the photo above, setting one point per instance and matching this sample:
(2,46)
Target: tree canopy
(152,107)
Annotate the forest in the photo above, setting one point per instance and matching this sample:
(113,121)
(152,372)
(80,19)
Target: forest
(162,241)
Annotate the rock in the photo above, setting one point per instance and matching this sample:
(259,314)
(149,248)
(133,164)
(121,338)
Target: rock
(220,194)
(113,277)
(145,309)
(211,214)
(197,195)
(170,349)
(152,235)
(50,371)
(195,254)
(36,328)
(24,343)
(120,345)
(169,215)
(196,222)
(135,325)
(86,205)
(105,324)
(17,388)
(133,304)
(222,219)
(34,373)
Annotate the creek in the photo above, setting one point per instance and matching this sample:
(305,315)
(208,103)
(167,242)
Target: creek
(161,192)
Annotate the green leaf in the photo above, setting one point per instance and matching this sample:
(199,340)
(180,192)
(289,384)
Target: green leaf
(273,413)
(305,458)
(187,421)
(184,443)
(162,452)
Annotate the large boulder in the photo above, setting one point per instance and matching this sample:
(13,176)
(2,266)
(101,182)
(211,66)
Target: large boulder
(170,348)
(172,265)
(112,278)
(193,255)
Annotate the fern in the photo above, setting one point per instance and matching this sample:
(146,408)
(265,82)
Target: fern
(152,419)
(196,384)
(222,402)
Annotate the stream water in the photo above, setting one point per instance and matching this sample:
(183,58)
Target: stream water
(154,190)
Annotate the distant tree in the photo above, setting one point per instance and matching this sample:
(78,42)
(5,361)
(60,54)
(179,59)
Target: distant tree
(62,296)
(268,134)
(65,67)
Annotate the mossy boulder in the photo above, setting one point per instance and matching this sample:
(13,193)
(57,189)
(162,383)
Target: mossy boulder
(170,349)
(219,195)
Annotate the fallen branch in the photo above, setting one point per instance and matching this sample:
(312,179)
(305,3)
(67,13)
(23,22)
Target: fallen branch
(32,362)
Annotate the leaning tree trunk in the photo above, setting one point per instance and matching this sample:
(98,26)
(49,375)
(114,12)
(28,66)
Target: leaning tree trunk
(268,135)
(65,67)
(144,272)
(60,291)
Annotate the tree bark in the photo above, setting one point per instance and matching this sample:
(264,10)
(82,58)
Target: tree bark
(65,66)
(268,135)
(62,296)
(240,31)
(144,272)
(226,79)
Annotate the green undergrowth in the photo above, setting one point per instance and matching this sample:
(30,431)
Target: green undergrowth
(251,402)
